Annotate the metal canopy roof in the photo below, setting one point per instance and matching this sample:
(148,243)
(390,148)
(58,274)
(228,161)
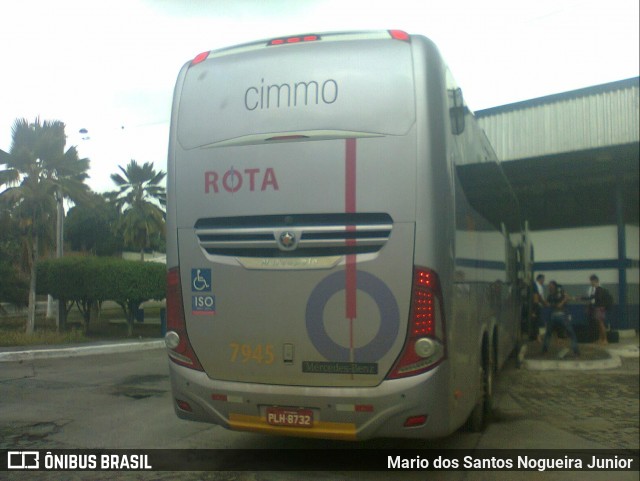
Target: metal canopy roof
(573,189)
(567,157)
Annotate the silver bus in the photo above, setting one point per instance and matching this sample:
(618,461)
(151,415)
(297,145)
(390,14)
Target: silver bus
(327,275)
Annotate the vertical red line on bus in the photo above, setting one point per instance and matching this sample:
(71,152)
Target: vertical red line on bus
(350,208)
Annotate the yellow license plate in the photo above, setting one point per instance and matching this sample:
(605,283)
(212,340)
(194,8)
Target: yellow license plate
(291,417)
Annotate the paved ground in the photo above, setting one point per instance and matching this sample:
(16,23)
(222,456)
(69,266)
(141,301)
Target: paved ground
(600,405)
(550,402)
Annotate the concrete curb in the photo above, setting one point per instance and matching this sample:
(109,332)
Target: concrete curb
(573,365)
(627,333)
(628,350)
(570,365)
(76,351)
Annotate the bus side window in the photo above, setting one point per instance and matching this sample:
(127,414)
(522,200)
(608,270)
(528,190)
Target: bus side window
(457,111)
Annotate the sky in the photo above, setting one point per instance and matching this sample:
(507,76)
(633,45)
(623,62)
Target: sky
(110,67)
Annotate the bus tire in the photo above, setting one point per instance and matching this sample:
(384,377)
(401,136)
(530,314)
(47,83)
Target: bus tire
(481,414)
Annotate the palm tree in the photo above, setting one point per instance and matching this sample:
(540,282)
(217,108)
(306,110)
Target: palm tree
(140,196)
(38,171)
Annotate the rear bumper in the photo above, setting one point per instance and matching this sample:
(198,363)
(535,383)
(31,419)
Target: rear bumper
(242,406)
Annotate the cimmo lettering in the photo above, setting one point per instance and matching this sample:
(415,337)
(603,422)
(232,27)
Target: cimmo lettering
(234,180)
(269,96)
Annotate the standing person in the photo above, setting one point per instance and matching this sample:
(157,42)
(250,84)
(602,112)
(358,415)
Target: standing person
(597,307)
(536,307)
(558,299)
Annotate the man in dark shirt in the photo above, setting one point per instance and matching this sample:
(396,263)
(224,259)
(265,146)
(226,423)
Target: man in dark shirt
(537,304)
(557,299)
(597,308)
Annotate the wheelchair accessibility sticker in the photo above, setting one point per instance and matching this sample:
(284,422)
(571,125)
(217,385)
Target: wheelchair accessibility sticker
(203,302)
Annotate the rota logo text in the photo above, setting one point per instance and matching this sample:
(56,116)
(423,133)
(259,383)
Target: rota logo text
(233,180)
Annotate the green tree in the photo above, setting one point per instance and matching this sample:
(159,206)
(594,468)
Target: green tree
(91,227)
(13,284)
(38,171)
(13,288)
(140,197)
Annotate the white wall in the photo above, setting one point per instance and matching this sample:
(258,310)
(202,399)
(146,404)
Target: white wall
(584,244)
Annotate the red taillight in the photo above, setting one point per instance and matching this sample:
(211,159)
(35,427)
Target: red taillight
(399,35)
(201,57)
(294,39)
(425,345)
(424,311)
(415,421)
(184,405)
(183,353)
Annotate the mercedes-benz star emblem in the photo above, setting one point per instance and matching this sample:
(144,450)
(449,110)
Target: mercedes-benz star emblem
(288,240)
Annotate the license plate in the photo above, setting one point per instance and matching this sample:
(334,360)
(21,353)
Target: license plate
(298,418)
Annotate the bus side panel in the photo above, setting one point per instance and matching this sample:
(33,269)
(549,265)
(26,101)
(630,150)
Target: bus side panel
(435,227)
(172,216)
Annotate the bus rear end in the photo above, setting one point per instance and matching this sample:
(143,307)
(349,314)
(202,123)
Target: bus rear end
(294,305)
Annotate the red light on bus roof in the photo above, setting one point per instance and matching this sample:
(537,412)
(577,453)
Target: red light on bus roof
(294,39)
(201,57)
(399,35)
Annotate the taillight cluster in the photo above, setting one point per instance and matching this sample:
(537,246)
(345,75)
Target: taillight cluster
(423,304)
(180,349)
(425,344)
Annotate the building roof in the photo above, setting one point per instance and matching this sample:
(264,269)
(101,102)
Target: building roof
(572,158)
(572,94)
(590,118)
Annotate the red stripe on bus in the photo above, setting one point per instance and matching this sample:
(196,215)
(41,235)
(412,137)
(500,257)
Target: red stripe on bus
(350,177)
(350,208)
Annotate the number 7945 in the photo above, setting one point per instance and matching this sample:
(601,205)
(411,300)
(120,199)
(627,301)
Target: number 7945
(245,353)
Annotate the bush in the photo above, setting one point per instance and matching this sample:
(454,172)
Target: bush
(88,281)
(130,283)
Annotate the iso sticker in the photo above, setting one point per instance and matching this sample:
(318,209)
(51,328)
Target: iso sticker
(202,305)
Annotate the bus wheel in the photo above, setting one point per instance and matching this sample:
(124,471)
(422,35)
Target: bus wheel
(479,417)
(489,373)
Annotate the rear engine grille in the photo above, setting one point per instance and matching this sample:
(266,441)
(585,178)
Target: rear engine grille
(314,235)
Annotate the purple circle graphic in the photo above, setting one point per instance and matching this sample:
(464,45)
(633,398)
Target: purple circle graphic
(387,306)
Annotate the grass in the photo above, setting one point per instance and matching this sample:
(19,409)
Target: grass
(41,337)
(110,326)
